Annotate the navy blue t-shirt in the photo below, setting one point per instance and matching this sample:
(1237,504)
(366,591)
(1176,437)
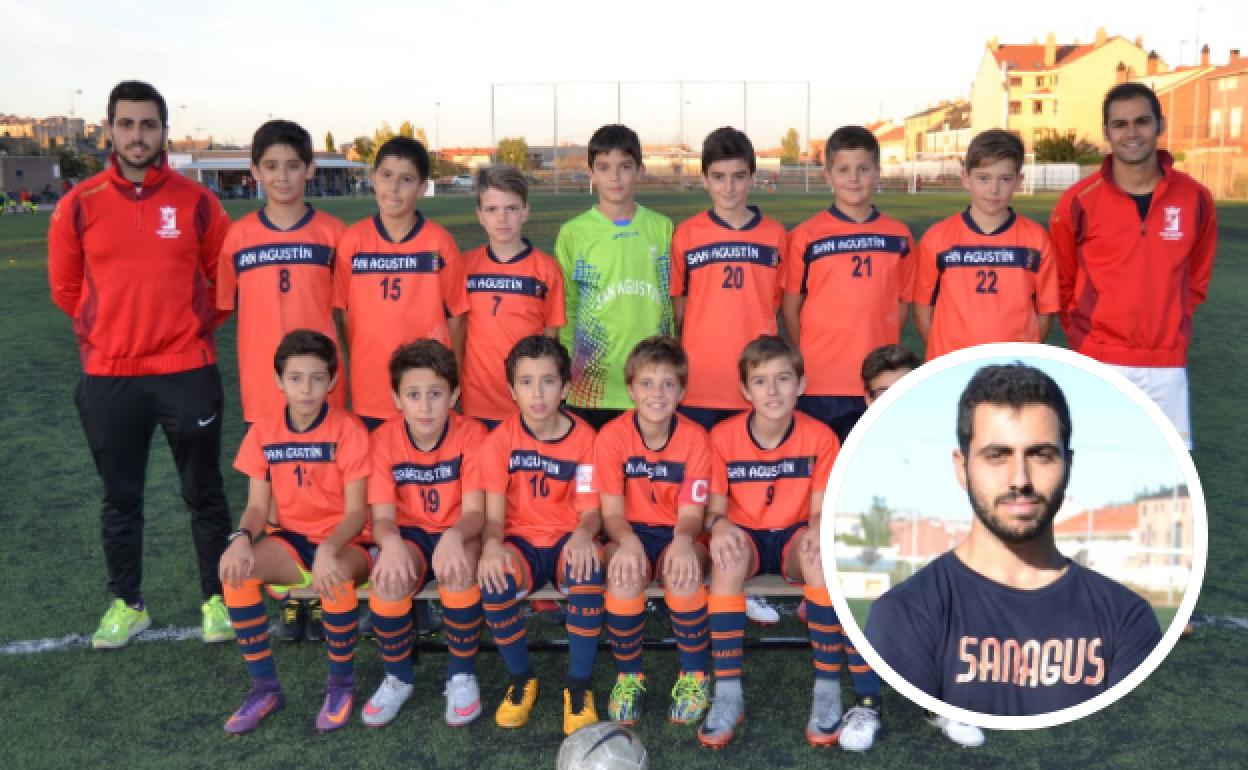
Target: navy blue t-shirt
(983,646)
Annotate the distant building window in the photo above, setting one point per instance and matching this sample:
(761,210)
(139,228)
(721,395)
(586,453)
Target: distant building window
(1215,123)
(1237,121)
(1015,82)
(1037,107)
(1016,108)
(1039,81)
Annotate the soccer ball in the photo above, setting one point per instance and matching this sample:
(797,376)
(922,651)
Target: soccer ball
(602,746)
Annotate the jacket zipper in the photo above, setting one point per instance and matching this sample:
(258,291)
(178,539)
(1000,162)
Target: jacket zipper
(138,207)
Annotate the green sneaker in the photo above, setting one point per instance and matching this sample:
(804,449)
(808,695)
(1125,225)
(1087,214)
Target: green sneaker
(690,699)
(217,626)
(119,625)
(624,706)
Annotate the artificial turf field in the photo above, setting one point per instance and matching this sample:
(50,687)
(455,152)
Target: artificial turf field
(163,703)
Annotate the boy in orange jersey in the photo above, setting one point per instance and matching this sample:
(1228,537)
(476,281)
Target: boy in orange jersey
(276,266)
(654,475)
(514,290)
(986,274)
(312,460)
(541,520)
(726,278)
(769,468)
(398,277)
(849,272)
(428,509)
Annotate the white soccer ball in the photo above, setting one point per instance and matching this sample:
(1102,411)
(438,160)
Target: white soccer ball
(602,746)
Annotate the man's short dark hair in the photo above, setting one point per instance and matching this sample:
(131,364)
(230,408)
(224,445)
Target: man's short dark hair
(993,145)
(305,342)
(1014,385)
(614,136)
(539,346)
(727,143)
(851,138)
(1124,91)
(405,148)
(887,358)
(285,132)
(423,354)
(137,91)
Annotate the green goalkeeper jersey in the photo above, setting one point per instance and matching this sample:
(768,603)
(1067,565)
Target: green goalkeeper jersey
(615,279)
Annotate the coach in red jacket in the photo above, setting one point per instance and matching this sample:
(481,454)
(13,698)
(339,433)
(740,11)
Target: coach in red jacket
(1135,246)
(131,256)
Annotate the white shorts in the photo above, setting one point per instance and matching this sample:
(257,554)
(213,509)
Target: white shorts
(1167,387)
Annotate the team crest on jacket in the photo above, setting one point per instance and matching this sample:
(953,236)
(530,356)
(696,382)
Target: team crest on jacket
(1172,230)
(168,222)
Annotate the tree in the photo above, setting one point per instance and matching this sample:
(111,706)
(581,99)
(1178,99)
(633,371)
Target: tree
(329,142)
(1064,149)
(514,150)
(364,148)
(876,533)
(75,166)
(790,148)
(411,132)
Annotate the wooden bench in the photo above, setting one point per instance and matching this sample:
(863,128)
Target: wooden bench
(762,585)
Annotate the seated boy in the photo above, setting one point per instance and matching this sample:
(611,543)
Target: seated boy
(769,468)
(654,470)
(541,520)
(312,460)
(428,509)
(986,274)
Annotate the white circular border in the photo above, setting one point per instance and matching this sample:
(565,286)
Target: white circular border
(1022,351)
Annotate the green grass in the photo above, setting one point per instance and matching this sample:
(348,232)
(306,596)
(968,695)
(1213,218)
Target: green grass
(162,704)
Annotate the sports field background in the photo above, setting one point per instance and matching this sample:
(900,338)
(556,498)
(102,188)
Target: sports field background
(162,704)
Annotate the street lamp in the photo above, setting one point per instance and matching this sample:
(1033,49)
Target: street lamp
(72,94)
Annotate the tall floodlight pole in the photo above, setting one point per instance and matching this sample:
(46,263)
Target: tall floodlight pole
(809,149)
(555,143)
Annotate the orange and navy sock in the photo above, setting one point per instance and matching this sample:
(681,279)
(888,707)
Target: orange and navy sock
(866,682)
(825,633)
(462,618)
(392,623)
(507,625)
(340,618)
(584,621)
(626,620)
(727,621)
(251,628)
(689,626)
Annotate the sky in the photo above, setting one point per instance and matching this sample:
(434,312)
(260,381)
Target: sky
(346,68)
(906,455)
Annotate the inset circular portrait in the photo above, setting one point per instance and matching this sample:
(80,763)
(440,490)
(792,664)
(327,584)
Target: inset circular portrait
(1014,536)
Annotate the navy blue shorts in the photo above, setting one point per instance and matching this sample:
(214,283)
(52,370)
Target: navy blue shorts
(771,547)
(706,417)
(541,565)
(654,540)
(840,413)
(426,541)
(304,550)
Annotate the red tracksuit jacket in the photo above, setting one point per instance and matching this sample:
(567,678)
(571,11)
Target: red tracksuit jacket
(133,266)
(1128,287)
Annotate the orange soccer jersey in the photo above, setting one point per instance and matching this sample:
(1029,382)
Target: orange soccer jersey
(548,484)
(771,488)
(653,482)
(732,280)
(507,301)
(394,292)
(279,281)
(425,487)
(855,276)
(984,287)
(309,470)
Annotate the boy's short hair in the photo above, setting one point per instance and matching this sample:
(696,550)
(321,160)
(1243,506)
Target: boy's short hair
(424,354)
(727,143)
(1125,91)
(766,348)
(137,91)
(505,178)
(405,148)
(851,138)
(539,346)
(285,132)
(659,350)
(305,342)
(614,136)
(887,358)
(993,145)
(1014,385)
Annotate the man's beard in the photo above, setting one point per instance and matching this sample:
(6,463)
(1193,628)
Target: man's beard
(144,162)
(1024,532)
